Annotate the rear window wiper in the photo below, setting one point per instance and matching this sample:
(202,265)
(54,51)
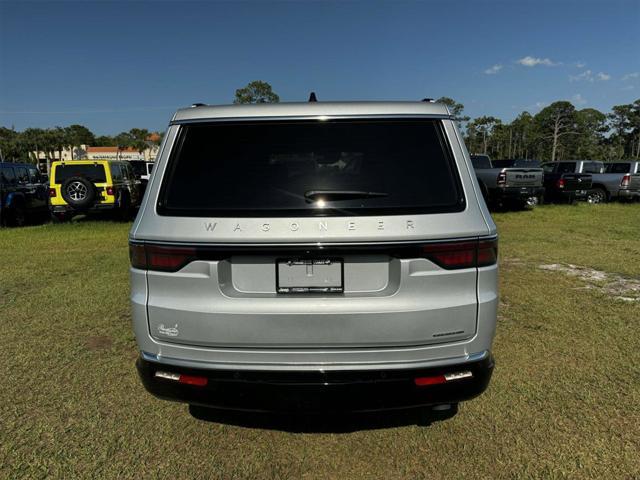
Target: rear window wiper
(341,194)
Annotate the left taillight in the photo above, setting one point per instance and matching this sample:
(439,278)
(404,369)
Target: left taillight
(626,180)
(52,192)
(160,258)
(458,255)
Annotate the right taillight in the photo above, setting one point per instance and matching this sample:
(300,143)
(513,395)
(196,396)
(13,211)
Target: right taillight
(457,255)
(560,183)
(160,258)
(502,178)
(626,180)
(52,192)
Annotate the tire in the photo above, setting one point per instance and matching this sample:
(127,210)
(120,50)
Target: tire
(124,207)
(17,217)
(79,192)
(597,195)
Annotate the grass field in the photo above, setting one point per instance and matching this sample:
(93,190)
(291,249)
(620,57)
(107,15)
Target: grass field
(564,400)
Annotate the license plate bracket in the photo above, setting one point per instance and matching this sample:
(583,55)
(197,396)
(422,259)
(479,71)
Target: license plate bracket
(309,275)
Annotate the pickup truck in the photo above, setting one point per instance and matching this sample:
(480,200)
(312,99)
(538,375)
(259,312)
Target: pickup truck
(501,186)
(605,186)
(563,185)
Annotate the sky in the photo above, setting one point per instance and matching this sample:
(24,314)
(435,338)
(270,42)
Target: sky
(113,65)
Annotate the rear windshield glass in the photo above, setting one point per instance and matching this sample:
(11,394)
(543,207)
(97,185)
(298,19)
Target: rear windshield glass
(480,161)
(617,167)
(93,173)
(311,168)
(139,168)
(516,163)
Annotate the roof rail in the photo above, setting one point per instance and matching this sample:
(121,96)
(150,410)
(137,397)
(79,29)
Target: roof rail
(429,100)
(194,105)
(312,97)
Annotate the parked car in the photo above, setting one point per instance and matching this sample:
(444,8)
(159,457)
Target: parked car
(561,185)
(23,195)
(142,171)
(316,256)
(630,169)
(508,186)
(605,186)
(88,186)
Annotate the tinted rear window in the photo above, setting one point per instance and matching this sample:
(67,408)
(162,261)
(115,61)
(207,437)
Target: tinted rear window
(617,167)
(517,163)
(480,161)
(93,173)
(266,169)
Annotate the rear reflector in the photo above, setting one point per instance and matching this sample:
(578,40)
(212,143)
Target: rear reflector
(440,379)
(180,378)
(424,381)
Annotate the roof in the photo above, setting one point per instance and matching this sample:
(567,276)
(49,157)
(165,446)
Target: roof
(110,149)
(311,110)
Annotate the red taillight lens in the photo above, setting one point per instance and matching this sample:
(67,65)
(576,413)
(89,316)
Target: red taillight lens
(625,180)
(191,380)
(138,256)
(110,191)
(560,183)
(487,252)
(166,259)
(425,381)
(456,255)
(502,178)
(52,192)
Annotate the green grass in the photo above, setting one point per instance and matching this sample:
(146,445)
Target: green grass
(564,400)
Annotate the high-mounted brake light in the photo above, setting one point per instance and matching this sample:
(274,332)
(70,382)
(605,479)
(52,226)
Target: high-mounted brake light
(155,257)
(455,255)
(52,192)
(626,180)
(502,178)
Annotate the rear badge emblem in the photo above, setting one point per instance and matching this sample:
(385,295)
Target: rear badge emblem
(168,331)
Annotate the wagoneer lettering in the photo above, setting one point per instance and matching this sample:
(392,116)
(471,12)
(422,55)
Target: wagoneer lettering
(293,255)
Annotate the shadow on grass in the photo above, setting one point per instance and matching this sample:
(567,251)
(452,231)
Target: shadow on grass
(322,423)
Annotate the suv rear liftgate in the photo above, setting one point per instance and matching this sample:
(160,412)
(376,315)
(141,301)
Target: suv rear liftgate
(321,251)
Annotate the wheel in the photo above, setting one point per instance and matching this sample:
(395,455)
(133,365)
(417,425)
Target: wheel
(597,195)
(123,212)
(79,192)
(531,202)
(17,217)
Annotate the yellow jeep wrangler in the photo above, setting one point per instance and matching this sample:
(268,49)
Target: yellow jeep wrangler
(89,186)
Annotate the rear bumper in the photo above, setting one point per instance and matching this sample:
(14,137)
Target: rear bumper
(629,194)
(317,391)
(65,209)
(517,193)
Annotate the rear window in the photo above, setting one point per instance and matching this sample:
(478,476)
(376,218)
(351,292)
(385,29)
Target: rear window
(566,167)
(480,162)
(93,173)
(617,167)
(516,163)
(311,168)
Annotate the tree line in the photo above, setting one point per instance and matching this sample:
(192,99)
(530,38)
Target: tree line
(21,146)
(559,131)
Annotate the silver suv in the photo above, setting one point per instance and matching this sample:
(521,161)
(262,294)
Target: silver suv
(314,257)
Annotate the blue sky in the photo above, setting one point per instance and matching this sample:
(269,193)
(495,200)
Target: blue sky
(116,65)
